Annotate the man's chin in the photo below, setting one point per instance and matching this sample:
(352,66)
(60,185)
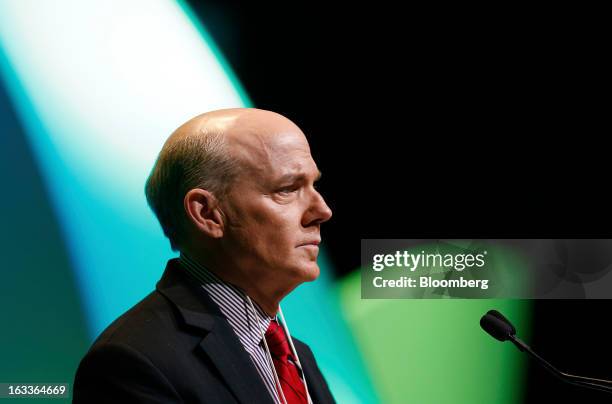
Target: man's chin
(309,273)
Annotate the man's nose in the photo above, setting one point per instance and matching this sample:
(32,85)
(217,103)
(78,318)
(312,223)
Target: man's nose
(318,211)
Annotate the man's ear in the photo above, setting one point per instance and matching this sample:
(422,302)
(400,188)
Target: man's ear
(203,212)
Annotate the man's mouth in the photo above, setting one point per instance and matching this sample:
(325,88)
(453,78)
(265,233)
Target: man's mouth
(311,243)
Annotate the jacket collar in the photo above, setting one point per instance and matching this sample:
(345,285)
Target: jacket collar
(220,343)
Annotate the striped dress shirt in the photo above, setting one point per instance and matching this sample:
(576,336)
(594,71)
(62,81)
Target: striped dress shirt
(247,324)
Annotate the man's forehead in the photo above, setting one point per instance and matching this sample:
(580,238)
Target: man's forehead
(269,147)
(280,162)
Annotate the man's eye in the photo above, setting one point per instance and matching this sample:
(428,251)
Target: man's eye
(287,191)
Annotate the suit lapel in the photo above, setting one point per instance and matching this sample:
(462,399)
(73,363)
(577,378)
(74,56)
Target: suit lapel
(220,343)
(233,362)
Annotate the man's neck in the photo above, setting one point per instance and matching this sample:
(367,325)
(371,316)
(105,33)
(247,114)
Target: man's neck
(264,299)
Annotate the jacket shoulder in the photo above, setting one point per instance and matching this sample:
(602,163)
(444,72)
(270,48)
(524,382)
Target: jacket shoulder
(149,318)
(115,372)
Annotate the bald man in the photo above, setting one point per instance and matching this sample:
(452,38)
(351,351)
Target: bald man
(234,192)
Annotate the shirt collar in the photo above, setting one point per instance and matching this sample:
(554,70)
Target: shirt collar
(233,303)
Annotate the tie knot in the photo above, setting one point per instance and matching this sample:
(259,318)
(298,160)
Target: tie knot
(277,341)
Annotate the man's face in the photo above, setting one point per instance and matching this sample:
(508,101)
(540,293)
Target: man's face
(273,212)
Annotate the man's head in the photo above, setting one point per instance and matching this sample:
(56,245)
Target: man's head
(236,188)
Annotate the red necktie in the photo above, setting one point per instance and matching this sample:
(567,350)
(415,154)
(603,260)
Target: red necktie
(292,385)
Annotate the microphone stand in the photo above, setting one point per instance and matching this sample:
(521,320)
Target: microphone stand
(597,384)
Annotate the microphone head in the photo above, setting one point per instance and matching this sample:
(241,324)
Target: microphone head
(498,326)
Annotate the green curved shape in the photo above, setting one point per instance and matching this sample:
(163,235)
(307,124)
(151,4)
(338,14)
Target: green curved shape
(433,351)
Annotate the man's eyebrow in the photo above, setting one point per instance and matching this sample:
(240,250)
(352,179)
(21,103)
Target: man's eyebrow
(292,177)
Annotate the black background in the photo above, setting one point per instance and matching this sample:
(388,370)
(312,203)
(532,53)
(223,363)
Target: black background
(443,122)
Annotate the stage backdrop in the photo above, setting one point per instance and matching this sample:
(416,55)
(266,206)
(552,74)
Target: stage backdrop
(89,92)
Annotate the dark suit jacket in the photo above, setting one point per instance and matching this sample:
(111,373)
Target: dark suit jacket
(175,346)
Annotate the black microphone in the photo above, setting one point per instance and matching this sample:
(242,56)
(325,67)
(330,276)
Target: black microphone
(500,328)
